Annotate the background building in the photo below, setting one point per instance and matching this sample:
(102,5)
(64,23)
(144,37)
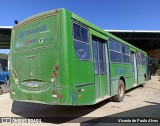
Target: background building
(148,41)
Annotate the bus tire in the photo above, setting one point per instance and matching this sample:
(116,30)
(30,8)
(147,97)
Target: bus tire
(142,85)
(145,78)
(121,91)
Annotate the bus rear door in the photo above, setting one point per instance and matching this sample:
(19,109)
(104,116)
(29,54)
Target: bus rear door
(134,68)
(100,71)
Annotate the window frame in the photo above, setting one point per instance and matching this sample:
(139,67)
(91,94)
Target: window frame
(126,53)
(96,42)
(80,41)
(141,58)
(115,51)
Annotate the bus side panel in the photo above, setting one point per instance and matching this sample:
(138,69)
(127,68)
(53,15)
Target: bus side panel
(128,75)
(114,77)
(66,57)
(75,73)
(117,71)
(65,79)
(141,73)
(83,75)
(85,95)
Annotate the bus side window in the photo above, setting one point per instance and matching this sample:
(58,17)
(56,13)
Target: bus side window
(119,53)
(76,31)
(143,59)
(139,58)
(81,42)
(125,54)
(95,57)
(112,50)
(115,51)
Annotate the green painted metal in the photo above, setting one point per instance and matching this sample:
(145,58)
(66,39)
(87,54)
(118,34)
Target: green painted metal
(41,43)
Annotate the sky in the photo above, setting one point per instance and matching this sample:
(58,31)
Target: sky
(107,14)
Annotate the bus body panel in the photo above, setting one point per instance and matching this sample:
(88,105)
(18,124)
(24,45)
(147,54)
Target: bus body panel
(34,59)
(45,67)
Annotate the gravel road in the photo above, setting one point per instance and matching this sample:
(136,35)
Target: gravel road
(139,102)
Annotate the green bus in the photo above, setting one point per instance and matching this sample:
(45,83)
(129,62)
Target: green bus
(58,58)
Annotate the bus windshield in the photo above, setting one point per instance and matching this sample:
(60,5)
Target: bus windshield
(35,33)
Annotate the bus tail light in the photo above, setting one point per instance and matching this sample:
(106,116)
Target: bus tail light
(56,67)
(52,79)
(54,92)
(55,73)
(53,76)
(59,96)
(14,73)
(80,90)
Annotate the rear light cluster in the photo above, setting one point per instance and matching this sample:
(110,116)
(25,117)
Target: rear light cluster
(80,90)
(56,95)
(13,91)
(15,75)
(55,73)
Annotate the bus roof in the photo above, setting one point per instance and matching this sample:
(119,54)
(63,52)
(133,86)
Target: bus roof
(78,18)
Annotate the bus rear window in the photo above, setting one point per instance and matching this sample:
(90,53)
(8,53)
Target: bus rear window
(36,33)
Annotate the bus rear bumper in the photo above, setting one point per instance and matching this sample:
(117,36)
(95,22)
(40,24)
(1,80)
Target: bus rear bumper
(51,95)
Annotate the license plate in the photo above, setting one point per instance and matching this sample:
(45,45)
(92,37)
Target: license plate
(32,84)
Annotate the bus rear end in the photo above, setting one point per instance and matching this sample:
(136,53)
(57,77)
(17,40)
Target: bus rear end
(34,65)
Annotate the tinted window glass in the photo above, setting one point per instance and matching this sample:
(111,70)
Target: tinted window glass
(113,56)
(81,42)
(123,58)
(127,51)
(95,56)
(139,58)
(118,47)
(84,34)
(139,55)
(140,61)
(118,57)
(126,59)
(119,53)
(143,59)
(123,49)
(82,50)
(111,45)
(101,57)
(76,30)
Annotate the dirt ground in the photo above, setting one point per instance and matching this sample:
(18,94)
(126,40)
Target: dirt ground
(139,102)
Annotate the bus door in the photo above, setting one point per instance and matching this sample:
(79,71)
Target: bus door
(134,68)
(100,71)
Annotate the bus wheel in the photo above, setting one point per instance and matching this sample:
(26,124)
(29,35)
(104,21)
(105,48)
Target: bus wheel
(145,78)
(121,91)
(142,85)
